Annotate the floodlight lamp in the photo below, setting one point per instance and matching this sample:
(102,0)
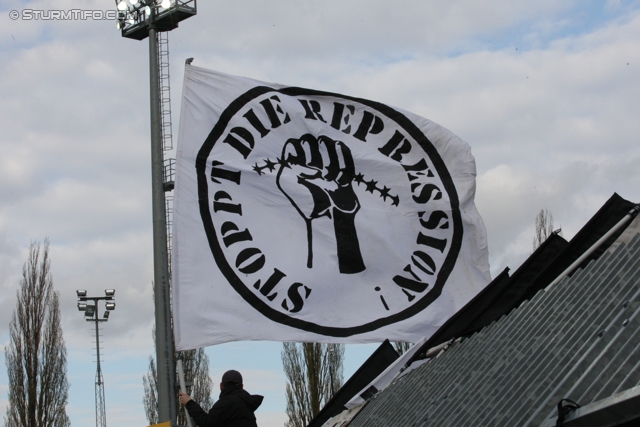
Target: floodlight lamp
(110,305)
(120,25)
(90,311)
(166,4)
(109,292)
(81,293)
(133,2)
(82,306)
(122,5)
(106,315)
(147,12)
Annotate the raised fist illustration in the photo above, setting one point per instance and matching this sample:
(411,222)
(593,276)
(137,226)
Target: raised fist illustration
(316,175)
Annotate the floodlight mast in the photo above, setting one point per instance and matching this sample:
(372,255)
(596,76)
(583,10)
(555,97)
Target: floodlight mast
(91,314)
(139,20)
(167,408)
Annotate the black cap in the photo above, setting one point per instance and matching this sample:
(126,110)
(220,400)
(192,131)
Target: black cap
(232,377)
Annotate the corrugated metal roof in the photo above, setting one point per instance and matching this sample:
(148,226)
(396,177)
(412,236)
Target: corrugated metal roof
(578,340)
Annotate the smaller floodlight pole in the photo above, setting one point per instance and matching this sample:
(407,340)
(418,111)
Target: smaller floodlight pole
(91,314)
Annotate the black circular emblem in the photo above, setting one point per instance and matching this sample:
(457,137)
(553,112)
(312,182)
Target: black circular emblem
(327,213)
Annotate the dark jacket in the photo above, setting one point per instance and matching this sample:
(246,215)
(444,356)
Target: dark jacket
(234,409)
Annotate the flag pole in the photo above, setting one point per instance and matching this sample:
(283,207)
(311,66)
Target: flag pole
(183,388)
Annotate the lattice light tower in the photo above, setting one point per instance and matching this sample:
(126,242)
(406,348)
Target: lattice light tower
(91,315)
(139,19)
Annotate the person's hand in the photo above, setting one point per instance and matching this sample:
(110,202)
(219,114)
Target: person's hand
(184,398)
(316,175)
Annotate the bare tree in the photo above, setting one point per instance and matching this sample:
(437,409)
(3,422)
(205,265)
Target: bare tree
(150,399)
(36,356)
(544,227)
(401,347)
(196,368)
(314,374)
(196,372)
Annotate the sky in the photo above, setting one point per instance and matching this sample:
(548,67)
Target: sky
(545,93)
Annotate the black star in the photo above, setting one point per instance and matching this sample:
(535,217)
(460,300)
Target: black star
(257,169)
(371,185)
(396,200)
(270,165)
(384,193)
(284,163)
(359,178)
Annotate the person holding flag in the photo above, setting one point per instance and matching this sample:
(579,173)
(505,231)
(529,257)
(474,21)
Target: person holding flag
(235,407)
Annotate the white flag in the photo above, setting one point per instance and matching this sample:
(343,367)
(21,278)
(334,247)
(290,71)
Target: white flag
(303,215)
